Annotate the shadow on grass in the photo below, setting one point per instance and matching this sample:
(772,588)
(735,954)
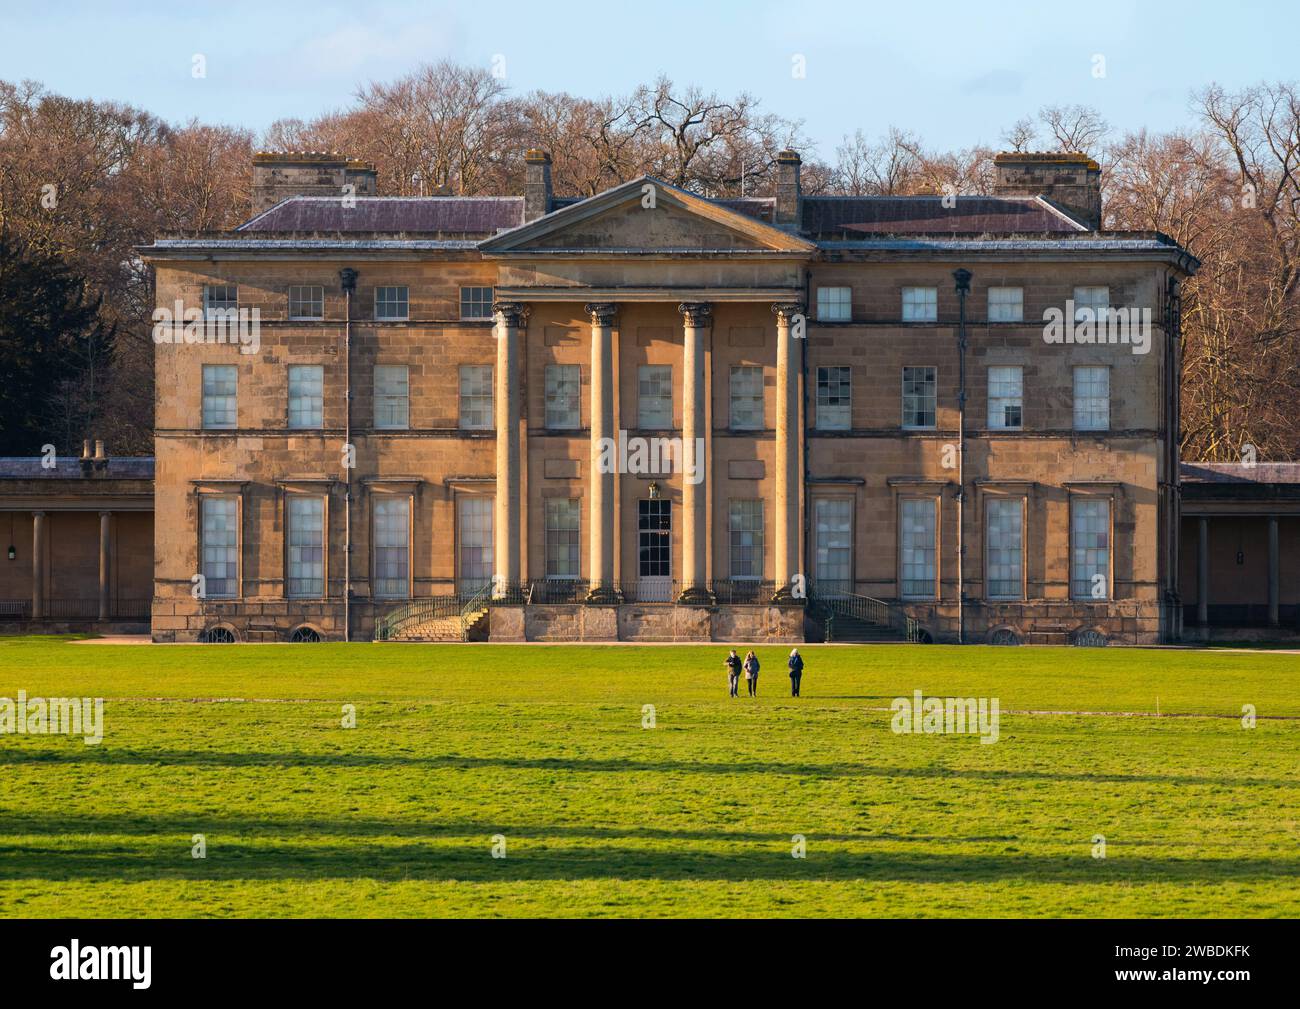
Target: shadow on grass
(533,861)
(412,827)
(83,755)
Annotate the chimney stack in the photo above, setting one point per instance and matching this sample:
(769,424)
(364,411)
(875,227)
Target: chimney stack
(1070,180)
(277,175)
(787,187)
(537,184)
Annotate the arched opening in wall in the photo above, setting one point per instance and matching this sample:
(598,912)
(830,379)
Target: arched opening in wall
(1090,637)
(219,634)
(305,634)
(1004,636)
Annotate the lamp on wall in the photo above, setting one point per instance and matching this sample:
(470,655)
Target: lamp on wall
(654,490)
(12,552)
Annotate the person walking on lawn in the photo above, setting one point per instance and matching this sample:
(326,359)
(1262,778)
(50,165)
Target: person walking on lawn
(751,673)
(796,671)
(733,672)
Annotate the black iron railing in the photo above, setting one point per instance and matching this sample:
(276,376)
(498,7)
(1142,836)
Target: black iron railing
(734,591)
(557,590)
(650,590)
(464,609)
(847,605)
(76,609)
(15,609)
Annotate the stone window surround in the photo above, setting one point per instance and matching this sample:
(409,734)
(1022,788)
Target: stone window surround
(1023,500)
(934,499)
(903,398)
(306,487)
(1111,493)
(201,490)
(395,492)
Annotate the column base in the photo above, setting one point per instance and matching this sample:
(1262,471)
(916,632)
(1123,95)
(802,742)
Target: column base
(696,595)
(603,595)
(509,592)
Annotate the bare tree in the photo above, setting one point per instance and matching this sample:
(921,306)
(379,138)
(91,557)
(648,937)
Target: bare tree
(1250,375)
(1074,127)
(889,166)
(1021,135)
(593,144)
(712,146)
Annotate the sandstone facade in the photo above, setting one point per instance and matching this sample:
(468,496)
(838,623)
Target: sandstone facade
(744,314)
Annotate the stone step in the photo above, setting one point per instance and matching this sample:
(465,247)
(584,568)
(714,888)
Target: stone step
(439,629)
(850,629)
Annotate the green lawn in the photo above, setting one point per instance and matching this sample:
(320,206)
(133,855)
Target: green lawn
(545,745)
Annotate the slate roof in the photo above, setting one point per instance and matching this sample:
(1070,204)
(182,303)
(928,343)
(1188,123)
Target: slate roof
(120,467)
(758,207)
(1240,473)
(478,216)
(848,217)
(822,216)
(919,225)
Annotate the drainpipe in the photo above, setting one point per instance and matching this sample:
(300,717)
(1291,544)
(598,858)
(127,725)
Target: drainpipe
(348,277)
(963,288)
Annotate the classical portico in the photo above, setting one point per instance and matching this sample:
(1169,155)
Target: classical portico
(707,291)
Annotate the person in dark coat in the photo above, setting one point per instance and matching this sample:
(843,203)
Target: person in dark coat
(751,673)
(733,672)
(796,671)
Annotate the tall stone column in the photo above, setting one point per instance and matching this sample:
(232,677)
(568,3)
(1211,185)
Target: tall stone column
(603,434)
(38,565)
(507,404)
(105,549)
(1203,573)
(697,317)
(1272,571)
(789,360)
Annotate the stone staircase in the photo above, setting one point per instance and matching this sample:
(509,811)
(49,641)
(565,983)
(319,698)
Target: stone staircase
(846,616)
(436,618)
(844,628)
(474,628)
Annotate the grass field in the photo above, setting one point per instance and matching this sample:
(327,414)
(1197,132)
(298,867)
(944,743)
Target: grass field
(544,745)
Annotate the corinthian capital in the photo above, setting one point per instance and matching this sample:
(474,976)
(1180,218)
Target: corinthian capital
(602,313)
(785,311)
(510,313)
(696,314)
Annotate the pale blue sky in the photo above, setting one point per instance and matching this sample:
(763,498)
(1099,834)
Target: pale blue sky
(955,73)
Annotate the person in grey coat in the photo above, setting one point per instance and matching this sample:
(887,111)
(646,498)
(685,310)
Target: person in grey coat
(751,673)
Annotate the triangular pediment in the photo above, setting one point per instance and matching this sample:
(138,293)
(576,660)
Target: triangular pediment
(647,216)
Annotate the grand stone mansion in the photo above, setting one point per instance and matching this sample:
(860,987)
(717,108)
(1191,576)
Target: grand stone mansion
(650,415)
